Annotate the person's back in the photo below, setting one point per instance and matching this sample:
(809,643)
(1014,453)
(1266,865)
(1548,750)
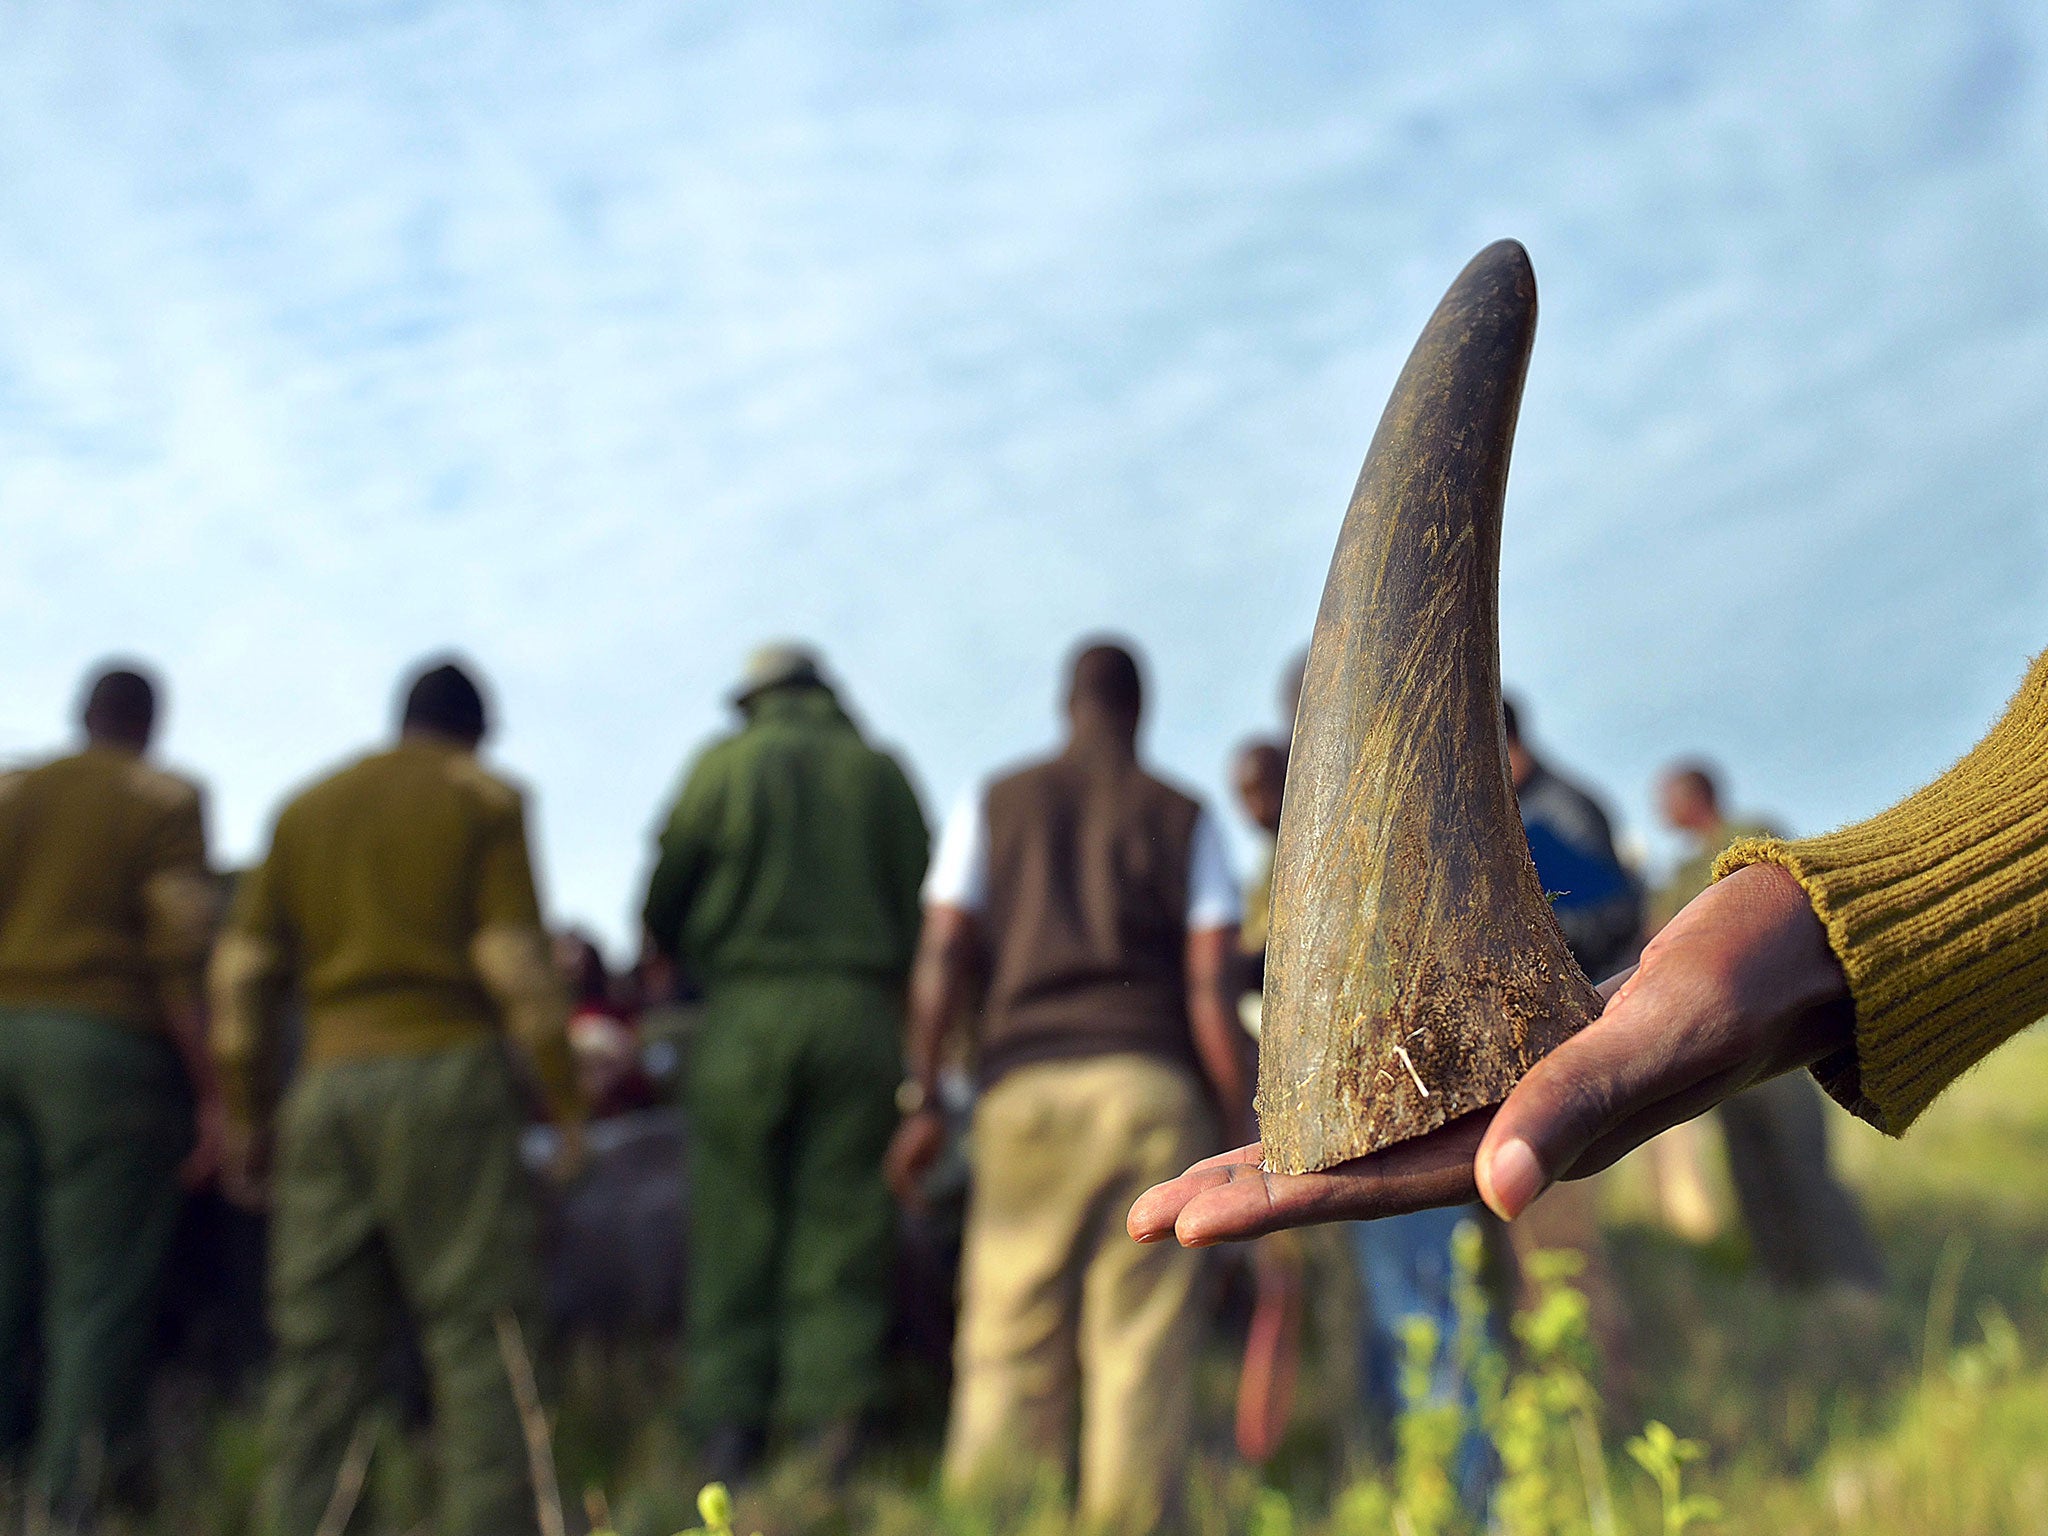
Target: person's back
(1098,902)
(398,898)
(102,858)
(1089,859)
(796,846)
(382,877)
(786,887)
(105,913)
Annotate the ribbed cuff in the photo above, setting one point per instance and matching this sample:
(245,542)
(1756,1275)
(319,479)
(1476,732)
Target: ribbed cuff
(1938,912)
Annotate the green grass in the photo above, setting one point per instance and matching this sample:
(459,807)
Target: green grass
(1925,1417)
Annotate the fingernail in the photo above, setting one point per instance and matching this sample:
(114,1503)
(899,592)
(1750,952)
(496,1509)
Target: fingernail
(1513,1179)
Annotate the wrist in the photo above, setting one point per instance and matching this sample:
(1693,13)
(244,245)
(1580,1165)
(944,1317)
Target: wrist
(1798,975)
(915,1097)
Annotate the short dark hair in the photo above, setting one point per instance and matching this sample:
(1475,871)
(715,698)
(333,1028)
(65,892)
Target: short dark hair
(1105,674)
(443,697)
(120,702)
(1698,775)
(1510,721)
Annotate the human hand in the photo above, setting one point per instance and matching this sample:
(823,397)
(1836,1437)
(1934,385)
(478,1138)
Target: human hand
(209,1143)
(915,1147)
(1739,987)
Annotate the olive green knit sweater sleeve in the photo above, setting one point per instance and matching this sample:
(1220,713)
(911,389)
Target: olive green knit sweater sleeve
(1938,911)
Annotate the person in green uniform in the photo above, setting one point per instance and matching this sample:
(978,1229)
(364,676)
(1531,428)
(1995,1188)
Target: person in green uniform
(398,899)
(787,887)
(105,914)
(1806,1228)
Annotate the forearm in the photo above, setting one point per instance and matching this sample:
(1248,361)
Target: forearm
(941,979)
(1221,1046)
(934,1004)
(519,973)
(243,983)
(1938,912)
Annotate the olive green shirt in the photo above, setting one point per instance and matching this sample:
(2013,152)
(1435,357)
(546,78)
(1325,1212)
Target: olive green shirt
(105,902)
(1696,873)
(379,884)
(794,847)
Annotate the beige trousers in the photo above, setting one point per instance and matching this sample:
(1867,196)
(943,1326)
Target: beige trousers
(1062,1315)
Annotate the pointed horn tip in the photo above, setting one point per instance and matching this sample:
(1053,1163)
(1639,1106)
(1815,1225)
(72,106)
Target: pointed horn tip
(1503,264)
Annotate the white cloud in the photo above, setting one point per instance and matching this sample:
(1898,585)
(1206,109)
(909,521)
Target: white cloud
(604,340)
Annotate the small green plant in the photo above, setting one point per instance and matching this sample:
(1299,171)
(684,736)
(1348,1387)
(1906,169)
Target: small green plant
(714,1508)
(1540,1418)
(1663,1455)
(1545,1419)
(1428,1438)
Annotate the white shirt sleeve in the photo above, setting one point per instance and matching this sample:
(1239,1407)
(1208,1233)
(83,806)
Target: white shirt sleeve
(958,876)
(1214,899)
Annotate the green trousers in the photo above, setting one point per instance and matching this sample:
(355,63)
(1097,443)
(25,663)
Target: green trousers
(94,1118)
(398,1187)
(792,1103)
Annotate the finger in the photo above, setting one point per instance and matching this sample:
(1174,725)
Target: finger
(1154,1213)
(1652,1044)
(1432,1171)
(1236,1202)
(1252,1152)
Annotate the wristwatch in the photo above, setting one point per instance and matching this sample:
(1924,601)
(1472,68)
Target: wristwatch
(912,1098)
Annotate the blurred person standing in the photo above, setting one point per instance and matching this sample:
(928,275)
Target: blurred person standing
(1598,904)
(787,888)
(1098,904)
(1806,1228)
(106,911)
(1597,900)
(398,899)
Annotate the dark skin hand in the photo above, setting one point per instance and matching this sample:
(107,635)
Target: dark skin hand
(1739,987)
(209,1113)
(941,980)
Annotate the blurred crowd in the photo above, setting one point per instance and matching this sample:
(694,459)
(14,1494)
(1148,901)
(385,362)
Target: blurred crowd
(355,1125)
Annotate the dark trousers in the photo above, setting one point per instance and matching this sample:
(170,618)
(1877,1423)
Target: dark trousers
(1806,1228)
(399,1186)
(94,1118)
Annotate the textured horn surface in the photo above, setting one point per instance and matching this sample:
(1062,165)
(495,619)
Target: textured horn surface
(1415,970)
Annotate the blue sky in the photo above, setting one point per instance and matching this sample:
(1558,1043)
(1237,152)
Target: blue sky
(601,340)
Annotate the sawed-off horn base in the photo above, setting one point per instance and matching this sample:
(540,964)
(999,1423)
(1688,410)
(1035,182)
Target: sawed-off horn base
(1415,970)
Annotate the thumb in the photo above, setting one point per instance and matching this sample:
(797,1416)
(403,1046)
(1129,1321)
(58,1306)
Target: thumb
(1635,1055)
